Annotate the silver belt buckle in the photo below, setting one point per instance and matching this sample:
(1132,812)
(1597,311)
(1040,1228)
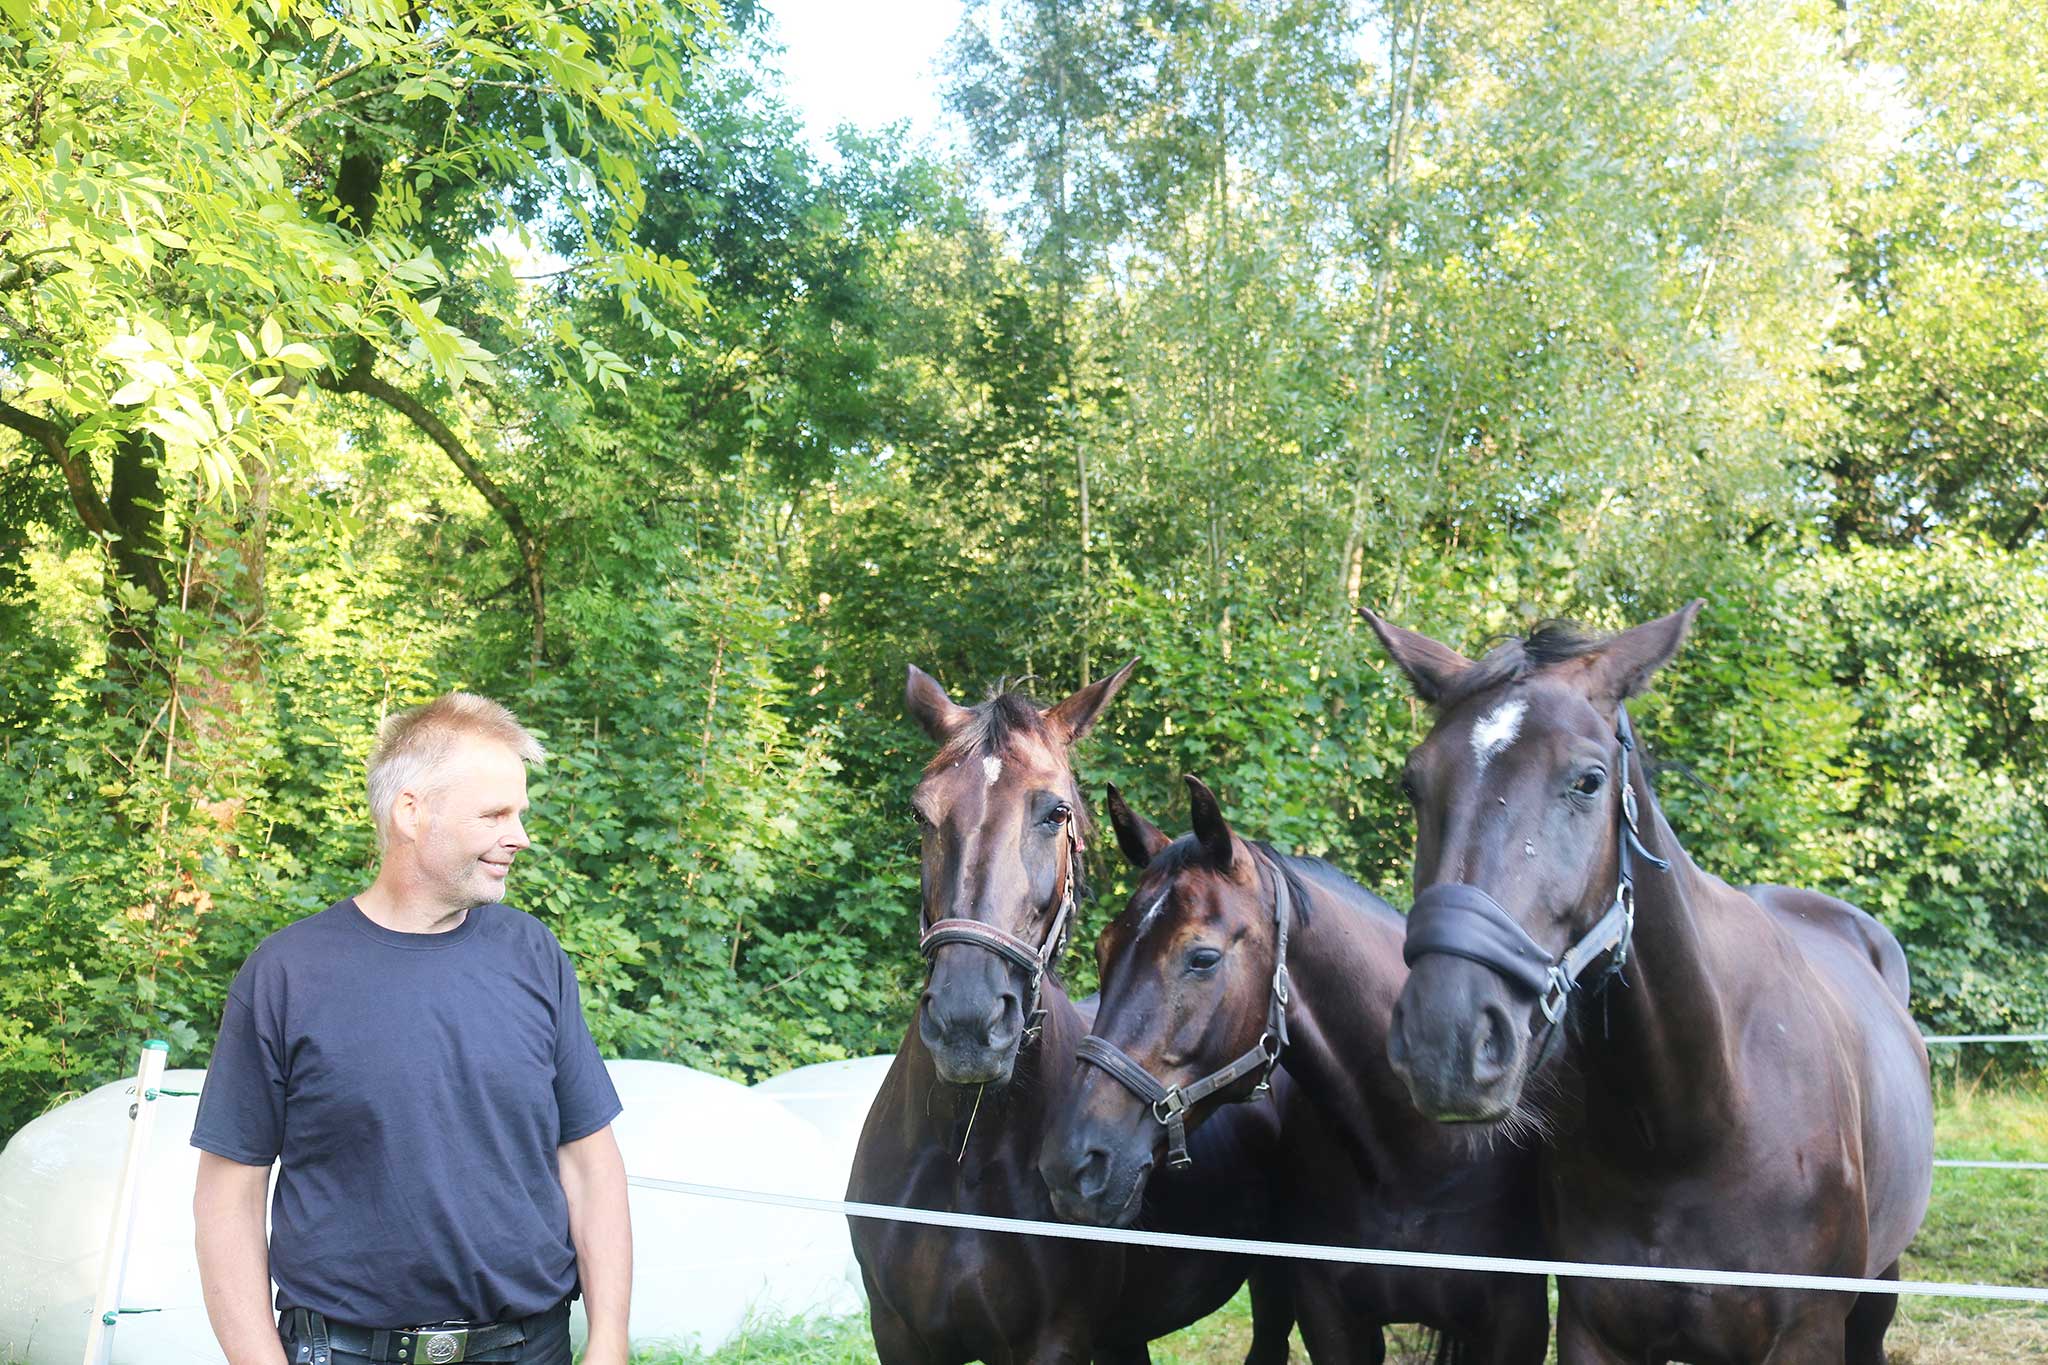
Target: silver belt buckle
(439,1346)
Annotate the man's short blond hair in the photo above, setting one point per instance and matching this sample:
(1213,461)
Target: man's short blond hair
(411,744)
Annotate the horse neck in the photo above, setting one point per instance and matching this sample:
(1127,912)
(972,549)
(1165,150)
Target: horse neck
(1345,967)
(1662,1046)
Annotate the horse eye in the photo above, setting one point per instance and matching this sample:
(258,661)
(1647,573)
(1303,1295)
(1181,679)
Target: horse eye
(1589,784)
(1408,788)
(923,821)
(1060,814)
(1202,959)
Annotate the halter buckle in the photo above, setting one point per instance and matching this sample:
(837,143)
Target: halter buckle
(1557,995)
(1628,804)
(1282,983)
(1170,1106)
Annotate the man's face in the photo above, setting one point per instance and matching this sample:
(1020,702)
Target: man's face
(469,827)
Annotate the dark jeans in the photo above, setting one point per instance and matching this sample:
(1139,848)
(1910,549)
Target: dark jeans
(546,1344)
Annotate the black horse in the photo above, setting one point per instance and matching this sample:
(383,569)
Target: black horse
(987,1067)
(1756,1098)
(1231,957)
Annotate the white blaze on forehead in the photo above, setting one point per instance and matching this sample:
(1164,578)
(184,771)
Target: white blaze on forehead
(1145,921)
(1497,730)
(991,769)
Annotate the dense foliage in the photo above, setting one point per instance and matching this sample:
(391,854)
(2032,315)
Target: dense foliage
(351,353)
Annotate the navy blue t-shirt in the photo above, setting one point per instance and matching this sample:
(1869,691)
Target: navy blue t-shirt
(415,1087)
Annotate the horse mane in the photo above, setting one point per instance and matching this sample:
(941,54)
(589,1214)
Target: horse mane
(1299,869)
(1552,642)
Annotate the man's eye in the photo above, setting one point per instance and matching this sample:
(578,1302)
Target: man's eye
(1202,959)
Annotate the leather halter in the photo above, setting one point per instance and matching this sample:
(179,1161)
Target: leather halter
(1170,1103)
(1463,921)
(1034,961)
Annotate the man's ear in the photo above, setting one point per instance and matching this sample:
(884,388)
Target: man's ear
(1072,718)
(1140,839)
(1431,667)
(1626,663)
(930,707)
(1212,831)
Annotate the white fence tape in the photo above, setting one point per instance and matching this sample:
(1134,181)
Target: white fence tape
(1994,1165)
(1304,1251)
(1984,1037)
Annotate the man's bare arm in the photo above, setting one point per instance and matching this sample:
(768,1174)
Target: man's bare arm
(594,1179)
(234,1259)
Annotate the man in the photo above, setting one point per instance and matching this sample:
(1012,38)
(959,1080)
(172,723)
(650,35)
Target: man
(416,1060)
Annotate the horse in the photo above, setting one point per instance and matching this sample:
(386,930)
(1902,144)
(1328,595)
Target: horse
(1730,1075)
(1232,958)
(988,1064)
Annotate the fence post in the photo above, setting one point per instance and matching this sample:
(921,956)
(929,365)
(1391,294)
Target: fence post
(106,1305)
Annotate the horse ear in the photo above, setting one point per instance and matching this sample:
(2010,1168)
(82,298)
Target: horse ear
(1139,838)
(937,713)
(1624,665)
(1071,718)
(1212,831)
(1430,666)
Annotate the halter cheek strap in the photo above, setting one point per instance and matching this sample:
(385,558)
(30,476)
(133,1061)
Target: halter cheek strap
(1170,1103)
(1035,962)
(1459,920)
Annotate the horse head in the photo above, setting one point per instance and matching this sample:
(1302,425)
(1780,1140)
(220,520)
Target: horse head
(1188,971)
(1002,825)
(1526,816)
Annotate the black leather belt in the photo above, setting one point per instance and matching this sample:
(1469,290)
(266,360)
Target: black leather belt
(314,1338)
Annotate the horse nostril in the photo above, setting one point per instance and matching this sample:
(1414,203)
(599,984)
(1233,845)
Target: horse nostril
(998,1013)
(1493,1047)
(1091,1173)
(1397,1042)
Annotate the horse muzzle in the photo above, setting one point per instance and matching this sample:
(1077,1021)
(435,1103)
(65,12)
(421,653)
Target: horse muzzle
(1092,1181)
(972,1038)
(1455,1041)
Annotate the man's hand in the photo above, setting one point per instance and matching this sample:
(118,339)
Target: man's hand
(234,1259)
(594,1179)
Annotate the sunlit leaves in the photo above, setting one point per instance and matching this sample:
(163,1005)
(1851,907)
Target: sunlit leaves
(176,167)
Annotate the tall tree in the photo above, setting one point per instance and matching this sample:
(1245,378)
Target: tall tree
(206,205)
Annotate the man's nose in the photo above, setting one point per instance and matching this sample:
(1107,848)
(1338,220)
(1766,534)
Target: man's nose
(515,838)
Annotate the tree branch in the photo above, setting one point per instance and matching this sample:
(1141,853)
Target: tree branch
(92,509)
(362,379)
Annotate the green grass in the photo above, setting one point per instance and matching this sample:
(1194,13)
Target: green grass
(1990,1227)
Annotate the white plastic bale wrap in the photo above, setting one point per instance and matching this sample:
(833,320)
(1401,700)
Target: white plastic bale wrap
(58,1178)
(702,1268)
(834,1098)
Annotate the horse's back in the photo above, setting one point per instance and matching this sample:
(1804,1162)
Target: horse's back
(1802,910)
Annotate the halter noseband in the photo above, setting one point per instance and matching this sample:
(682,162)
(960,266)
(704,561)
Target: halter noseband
(1035,961)
(1463,921)
(1170,1103)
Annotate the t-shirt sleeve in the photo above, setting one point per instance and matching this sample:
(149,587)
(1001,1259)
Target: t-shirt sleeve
(241,1102)
(584,1095)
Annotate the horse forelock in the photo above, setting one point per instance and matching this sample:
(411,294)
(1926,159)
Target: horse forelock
(1006,727)
(1552,642)
(1185,855)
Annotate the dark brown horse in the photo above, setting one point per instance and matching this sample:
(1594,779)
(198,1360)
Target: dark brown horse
(988,1065)
(1755,1098)
(1192,981)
